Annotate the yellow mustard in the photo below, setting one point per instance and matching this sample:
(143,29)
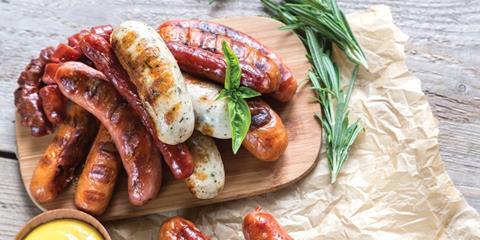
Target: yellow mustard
(64,229)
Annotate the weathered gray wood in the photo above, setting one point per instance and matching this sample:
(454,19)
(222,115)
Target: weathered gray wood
(15,205)
(443,52)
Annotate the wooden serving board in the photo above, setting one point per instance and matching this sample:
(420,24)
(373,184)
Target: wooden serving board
(245,175)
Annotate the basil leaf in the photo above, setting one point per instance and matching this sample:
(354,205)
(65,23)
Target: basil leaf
(233,72)
(245,92)
(240,118)
(223,94)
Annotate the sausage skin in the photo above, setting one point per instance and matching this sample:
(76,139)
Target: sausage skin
(208,178)
(99,51)
(89,88)
(53,103)
(259,225)
(155,73)
(99,175)
(178,228)
(267,137)
(67,150)
(197,47)
(27,98)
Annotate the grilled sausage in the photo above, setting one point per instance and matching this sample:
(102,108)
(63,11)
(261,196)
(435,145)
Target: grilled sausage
(88,88)
(197,46)
(177,228)
(27,98)
(267,137)
(98,50)
(99,175)
(258,225)
(208,178)
(158,79)
(211,115)
(68,149)
(53,103)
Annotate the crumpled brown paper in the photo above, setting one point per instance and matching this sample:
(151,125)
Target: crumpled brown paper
(394,185)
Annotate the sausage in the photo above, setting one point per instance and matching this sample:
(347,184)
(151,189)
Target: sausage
(158,79)
(211,114)
(208,178)
(53,103)
(88,88)
(190,40)
(267,137)
(29,107)
(67,150)
(99,175)
(178,228)
(98,50)
(27,98)
(259,225)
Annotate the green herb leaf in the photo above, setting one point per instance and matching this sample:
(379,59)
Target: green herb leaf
(319,23)
(240,118)
(245,92)
(233,72)
(238,110)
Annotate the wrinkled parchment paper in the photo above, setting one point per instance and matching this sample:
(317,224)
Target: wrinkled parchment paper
(394,186)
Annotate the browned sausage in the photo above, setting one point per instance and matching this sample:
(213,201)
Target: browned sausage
(99,175)
(27,99)
(258,225)
(197,47)
(53,103)
(177,228)
(68,149)
(97,49)
(267,137)
(89,88)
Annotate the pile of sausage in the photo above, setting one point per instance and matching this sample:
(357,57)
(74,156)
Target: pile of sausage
(257,225)
(120,92)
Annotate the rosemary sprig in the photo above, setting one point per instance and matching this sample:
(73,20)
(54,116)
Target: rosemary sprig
(319,23)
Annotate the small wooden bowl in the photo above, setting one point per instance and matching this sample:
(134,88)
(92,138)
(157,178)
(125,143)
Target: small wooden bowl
(61,214)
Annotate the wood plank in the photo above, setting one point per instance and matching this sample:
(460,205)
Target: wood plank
(16,208)
(245,175)
(443,52)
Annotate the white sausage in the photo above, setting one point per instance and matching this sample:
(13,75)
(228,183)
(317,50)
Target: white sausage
(211,115)
(208,176)
(155,73)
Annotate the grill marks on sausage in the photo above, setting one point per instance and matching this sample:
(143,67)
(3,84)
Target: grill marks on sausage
(210,38)
(203,35)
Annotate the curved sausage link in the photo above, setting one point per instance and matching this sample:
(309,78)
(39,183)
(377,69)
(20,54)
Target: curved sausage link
(160,84)
(99,175)
(267,137)
(53,103)
(99,51)
(258,225)
(67,150)
(88,88)
(27,98)
(177,228)
(208,36)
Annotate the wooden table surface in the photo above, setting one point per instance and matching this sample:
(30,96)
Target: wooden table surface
(443,51)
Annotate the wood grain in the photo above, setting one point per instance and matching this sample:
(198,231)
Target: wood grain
(442,51)
(245,175)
